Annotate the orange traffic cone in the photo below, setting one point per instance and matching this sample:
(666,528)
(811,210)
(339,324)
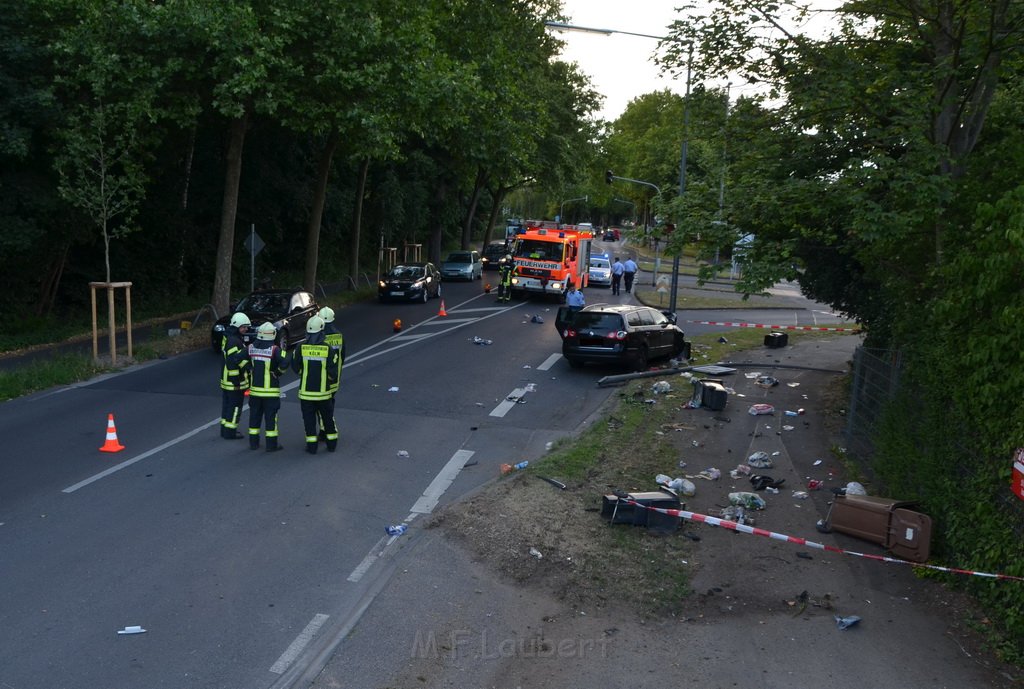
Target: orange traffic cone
(442,312)
(111,445)
(397,325)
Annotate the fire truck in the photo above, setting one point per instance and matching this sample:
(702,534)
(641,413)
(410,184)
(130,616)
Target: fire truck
(549,260)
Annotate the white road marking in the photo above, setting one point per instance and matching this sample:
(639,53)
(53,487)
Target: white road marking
(507,403)
(301,641)
(549,362)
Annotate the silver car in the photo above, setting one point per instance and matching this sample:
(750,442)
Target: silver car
(600,271)
(462,265)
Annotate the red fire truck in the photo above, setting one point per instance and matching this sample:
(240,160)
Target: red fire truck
(550,260)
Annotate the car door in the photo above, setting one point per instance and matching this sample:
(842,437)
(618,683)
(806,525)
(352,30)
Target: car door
(478,265)
(661,336)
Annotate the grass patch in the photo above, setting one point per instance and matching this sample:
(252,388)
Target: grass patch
(41,375)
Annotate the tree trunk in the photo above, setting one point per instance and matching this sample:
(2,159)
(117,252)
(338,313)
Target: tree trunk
(357,220)
(436,226)
(229,209)
(467,227)
(316,213)
(497,196)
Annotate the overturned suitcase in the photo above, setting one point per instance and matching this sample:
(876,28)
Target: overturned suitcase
(776,339)
(620,512)
(709,393)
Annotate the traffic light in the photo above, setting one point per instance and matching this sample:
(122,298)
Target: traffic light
(608,176)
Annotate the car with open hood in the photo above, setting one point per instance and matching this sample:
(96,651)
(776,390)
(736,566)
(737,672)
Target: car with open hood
(287,309)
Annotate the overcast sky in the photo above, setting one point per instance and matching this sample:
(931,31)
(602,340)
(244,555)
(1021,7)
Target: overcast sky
(621,67)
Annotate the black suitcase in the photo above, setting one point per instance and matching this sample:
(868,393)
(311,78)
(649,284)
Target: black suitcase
(709,393)
(623,513)
(776,340)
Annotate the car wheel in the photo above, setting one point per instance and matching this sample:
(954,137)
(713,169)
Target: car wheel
(575,363)
(640,362)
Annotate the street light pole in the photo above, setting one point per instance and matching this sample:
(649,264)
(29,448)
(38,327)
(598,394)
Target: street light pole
(561,208)
(559,26)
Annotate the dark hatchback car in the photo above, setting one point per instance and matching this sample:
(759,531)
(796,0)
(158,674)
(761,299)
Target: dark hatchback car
(630,335)
(287,309)
(410,282)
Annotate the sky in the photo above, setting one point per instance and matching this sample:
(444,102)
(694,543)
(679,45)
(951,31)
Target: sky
(621,67)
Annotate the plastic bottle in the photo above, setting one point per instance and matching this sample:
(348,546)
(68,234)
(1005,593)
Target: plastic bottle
(521,465)
(397,529)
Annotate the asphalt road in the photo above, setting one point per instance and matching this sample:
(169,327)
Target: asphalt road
(247,569)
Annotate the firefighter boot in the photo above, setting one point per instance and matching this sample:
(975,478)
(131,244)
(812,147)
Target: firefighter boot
(254,441)
(272,445)
(311,447)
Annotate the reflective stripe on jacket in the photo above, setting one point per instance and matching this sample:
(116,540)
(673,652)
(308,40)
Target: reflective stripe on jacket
(317,366)
(334,338)
(234,374)
(268,363)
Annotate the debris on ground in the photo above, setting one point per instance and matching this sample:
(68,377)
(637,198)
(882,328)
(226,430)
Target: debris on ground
(760,409)
(750,501)
(760,460)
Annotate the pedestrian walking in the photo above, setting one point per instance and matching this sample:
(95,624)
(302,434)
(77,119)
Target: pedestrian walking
(234,375)
(316,363)
(334,338)
(629,272)
(617,270)
(575,299)
(269,362)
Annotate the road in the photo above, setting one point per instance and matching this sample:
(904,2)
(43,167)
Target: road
(247,569)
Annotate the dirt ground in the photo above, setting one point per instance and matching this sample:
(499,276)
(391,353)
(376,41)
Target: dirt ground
(562,598)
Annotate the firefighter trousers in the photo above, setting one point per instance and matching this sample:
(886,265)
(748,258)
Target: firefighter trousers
(263,413)
(314,414)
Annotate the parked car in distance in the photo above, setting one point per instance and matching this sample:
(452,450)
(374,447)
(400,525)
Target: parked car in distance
(493,255)
(609,236)
(462,265)
(600,271)
(417,281)
(626,334)
(287,309)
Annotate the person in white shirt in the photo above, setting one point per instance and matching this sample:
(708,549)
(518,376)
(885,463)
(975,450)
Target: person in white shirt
(629,270)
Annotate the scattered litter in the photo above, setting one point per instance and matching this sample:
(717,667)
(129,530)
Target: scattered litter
(536,553)
(557,484)
(509,468)
(751,375)
(403,453)
(798,412)
(854,488)
(723,419)
(548,445)
(817,462)
(536,319)
(471,463)
(846,622)
(131,630)
(815,484)
(793,385)
(527,366)
(759,409)
(803,556)
(531,387)
(695,443)
(787,428)
(680,485)
(800,494)
(396,529)
(691,536)
(481,341)
(769,489)
(766,382)
(737,514)
(760,482)
(393,388)
(722,340)
(661,387)
(776,453)
(713,370)
(710,474)
(677,427)
(740,470)
(682,464)
(760,460)
(750,501)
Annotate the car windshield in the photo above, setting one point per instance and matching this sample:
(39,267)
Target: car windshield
(459,258)
(265,303)
(599,263)
(595,320)
(406,272)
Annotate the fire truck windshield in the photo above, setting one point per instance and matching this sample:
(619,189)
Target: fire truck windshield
(541,251)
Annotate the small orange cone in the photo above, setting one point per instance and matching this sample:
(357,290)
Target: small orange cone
(397,325)
(111,445)
(442,312)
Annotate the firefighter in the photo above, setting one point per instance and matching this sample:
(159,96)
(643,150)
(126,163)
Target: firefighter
(316,362)
(268,362)
(506,270)
(234,376)
(334,338)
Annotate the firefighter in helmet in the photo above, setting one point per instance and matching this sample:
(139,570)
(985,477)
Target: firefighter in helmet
(268,362)
(234,375)
(505,272)
(334,338)
(316,362)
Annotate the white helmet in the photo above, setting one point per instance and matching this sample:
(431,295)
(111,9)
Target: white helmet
(266,331)
(327,313)
(240,319)
(314,325)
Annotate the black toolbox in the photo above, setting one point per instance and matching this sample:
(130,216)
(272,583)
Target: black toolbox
(621,512)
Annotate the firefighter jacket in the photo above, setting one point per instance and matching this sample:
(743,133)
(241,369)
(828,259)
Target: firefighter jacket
(316,362)
(507,270)
(268,362)
(334,338)
(234,374)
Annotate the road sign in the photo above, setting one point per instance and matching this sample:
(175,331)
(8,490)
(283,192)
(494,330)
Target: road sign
(254,244)
(1018,473)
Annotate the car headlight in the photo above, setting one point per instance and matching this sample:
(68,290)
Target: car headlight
(419,284)
(556,285)
(515,281)
(382,284)
(218,328)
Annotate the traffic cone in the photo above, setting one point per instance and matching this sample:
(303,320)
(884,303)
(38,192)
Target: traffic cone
(442,312)
(397,325)
(111,445)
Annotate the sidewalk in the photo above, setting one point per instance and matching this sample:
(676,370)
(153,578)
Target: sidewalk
(449,619)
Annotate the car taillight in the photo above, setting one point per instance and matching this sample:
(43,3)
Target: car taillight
(617,335)
(569,332)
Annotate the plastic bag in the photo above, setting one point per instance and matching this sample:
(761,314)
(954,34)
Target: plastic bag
(758,409)
(760,460)
(854,488)
(661,387)
(751,501)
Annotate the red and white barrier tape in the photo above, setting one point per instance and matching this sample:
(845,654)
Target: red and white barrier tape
(776,327)
(744,528)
